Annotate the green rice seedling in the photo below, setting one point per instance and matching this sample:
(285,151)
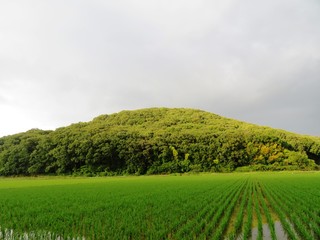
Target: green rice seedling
(239,217)
(248,224)
(198,223)
(282,216)
(258,213)
(292,214)
(160,207)
(214,221)
(209,199)
(307,217)
(293,200)
(227,195)
(10,234)
(266,212)
(218,234)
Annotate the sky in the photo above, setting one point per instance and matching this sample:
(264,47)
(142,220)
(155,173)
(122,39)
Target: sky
(66,61)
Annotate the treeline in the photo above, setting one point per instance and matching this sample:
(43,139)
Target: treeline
(156,141)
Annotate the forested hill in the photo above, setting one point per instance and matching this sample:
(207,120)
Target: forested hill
(154,141)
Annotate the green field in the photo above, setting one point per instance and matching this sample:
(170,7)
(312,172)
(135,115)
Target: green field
(206,206)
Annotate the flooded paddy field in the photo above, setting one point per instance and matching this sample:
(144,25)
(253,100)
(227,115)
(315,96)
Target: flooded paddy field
(284,205)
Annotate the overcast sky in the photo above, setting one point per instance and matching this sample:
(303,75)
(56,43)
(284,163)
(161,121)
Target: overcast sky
(65,61)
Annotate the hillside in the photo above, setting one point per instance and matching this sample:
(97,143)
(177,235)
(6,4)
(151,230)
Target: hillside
(156,140)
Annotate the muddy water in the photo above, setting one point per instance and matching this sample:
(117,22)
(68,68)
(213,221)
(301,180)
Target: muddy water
(281,235)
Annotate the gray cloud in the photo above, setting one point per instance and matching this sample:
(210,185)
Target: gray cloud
(64,62)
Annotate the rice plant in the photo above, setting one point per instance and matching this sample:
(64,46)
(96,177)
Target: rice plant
(248,224)
(258,214)
(204,206)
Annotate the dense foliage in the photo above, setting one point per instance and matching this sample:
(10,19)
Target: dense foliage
(156,140)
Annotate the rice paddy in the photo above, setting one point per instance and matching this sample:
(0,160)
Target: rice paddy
(282,205)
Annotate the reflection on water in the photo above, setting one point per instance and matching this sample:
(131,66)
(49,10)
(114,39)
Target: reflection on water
(281,235)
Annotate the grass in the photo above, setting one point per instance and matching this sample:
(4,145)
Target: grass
(160,207)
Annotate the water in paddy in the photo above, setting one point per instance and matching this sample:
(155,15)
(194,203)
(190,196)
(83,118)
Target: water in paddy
(281,235)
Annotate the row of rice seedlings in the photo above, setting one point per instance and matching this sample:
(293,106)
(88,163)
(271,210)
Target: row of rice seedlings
(204,203)
(248,225)
(311,219)
(164,211)
(239,217)
(122,214)
(75,210)
(215,218)
(118,217)
(180,225)
(210,206)
(210,216)
(172,208)
(300,200)
(306,188)
(190,206)
(278,207)
(306,214)
(218,234)
(144,212)
(266,211)
(200,202)
(292,211)
(258,213)
(197,222)
(293,218)
(10,234)
(27,215)
(306,203)
(127,215)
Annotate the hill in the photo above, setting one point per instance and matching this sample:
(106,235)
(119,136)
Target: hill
(156,140)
